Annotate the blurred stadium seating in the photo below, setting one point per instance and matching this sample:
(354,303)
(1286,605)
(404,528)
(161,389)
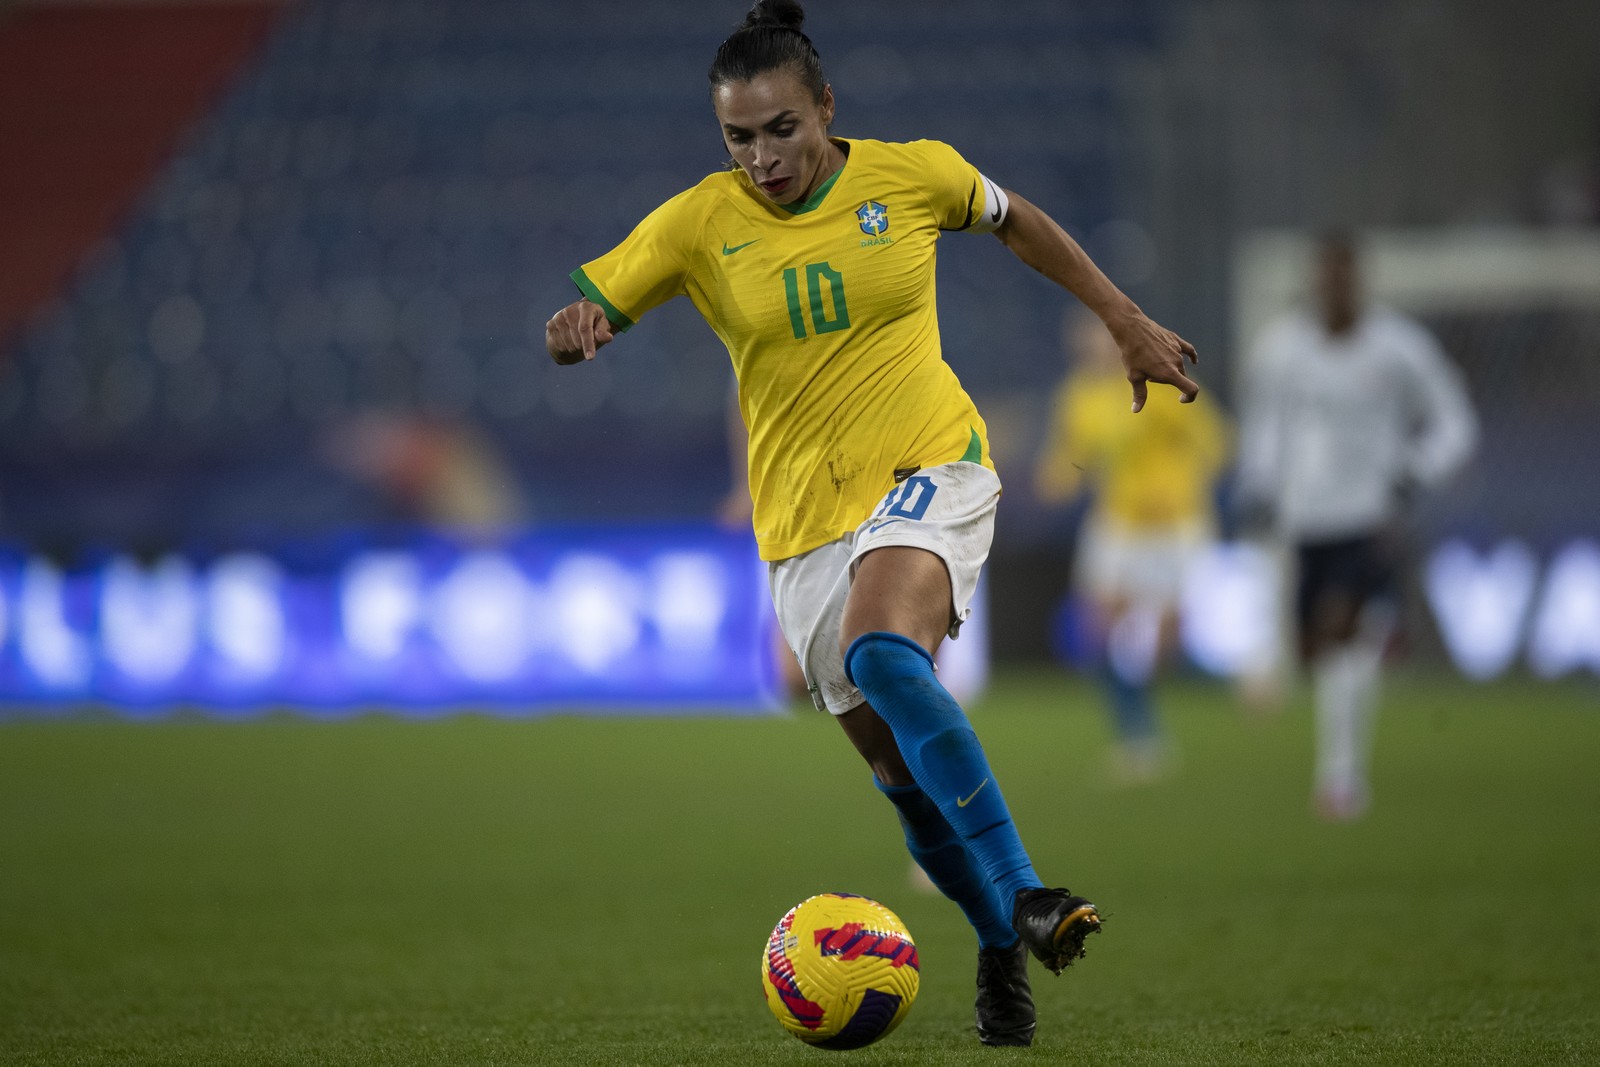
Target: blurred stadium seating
(382,211)
(379,213)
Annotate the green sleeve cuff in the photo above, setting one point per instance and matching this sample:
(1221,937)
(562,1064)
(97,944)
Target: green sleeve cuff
(619,322)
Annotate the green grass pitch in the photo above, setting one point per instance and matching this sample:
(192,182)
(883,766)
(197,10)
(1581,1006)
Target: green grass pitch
(566,890)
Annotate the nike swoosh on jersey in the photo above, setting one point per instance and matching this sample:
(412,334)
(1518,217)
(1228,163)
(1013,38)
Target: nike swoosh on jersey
(730,251)
(962,802)
(992,192)
(878,524)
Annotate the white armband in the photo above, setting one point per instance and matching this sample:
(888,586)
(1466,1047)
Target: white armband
(988,215)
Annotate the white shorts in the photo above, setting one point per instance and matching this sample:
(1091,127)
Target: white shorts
(1144,568)
(947,510)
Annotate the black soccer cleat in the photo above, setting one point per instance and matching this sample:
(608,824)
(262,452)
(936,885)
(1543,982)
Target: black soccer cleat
(1053,924)
(1005,1000)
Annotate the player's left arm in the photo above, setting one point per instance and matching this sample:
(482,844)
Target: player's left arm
(1447,425)
(1150,351)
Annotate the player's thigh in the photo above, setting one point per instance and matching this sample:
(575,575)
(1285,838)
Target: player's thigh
(808,594)
(1144,566)
(917,559)
(1320,602)
(900,590)
(1337,581)
(1097,564)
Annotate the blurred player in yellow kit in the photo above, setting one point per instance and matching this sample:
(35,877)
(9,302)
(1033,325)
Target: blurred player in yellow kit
(1152,516)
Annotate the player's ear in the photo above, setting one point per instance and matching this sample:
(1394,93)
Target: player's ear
(825,106)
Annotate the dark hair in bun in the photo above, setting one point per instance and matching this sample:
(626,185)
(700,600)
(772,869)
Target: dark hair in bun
(769,39)
(786,13)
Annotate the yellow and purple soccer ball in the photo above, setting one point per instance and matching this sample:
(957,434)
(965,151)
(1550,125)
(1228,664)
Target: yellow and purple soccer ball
(840,971)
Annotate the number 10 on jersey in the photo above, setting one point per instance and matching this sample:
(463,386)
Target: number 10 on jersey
(827,313)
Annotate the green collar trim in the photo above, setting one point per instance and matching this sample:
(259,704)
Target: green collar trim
(814,201)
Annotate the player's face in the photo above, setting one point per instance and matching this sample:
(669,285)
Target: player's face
(778,133)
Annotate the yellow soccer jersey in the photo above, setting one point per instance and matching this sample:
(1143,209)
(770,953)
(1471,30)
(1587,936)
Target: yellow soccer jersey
(1153,469)
(827,309)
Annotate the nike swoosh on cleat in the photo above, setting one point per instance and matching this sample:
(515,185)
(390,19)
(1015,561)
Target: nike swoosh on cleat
(962,802)
(730,251)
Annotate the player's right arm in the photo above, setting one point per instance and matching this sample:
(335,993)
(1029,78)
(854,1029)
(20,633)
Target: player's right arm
(576,332)
(648,268)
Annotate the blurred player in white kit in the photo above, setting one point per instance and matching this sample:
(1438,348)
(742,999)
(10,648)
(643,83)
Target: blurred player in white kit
(1353,409)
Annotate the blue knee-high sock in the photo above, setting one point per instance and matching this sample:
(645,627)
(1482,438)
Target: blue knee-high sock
(895,674)
(939,851)
(1132,708)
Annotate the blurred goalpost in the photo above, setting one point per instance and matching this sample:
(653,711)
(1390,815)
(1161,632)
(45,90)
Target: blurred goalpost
(1424,272)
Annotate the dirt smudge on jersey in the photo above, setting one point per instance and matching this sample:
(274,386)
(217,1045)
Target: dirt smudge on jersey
(842,470)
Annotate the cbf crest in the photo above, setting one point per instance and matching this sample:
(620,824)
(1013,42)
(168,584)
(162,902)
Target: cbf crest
(874,218)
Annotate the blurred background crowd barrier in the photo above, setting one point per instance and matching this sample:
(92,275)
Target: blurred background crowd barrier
(277,275)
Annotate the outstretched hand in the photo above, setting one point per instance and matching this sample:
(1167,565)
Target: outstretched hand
(575,332)
(1153,353)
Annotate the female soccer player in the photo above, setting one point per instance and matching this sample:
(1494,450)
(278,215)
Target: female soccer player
(1151,520)
(813,260)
